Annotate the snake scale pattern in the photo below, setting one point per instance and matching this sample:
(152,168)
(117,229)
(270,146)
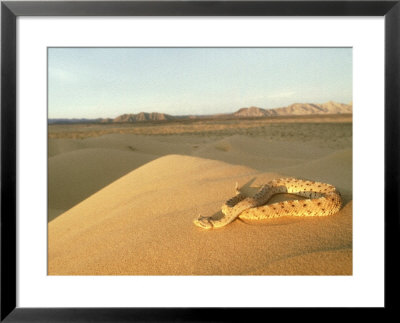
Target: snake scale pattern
(321,200)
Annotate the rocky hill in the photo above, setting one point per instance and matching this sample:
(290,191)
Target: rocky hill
(143,116)
(253,112)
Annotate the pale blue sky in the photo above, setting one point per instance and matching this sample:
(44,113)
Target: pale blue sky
(107,82)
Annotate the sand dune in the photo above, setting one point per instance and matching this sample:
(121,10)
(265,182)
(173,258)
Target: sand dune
(123,203)
(259,153)
(80,167)
(138,143)
(59,146)
(141,224)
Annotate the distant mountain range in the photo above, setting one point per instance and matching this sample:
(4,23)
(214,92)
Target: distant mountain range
(295,109)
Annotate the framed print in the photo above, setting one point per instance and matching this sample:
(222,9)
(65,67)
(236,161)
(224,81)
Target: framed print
(162,159)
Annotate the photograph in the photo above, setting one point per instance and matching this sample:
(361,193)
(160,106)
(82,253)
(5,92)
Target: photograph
(161,158)
(199,161)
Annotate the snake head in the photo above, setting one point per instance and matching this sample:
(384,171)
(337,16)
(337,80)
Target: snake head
(203,222)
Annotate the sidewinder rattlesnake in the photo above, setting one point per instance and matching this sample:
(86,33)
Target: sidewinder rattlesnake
(321,200)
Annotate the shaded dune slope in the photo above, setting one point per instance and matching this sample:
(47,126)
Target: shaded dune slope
(77,174)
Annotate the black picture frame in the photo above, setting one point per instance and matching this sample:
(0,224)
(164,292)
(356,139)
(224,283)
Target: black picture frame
(10,10)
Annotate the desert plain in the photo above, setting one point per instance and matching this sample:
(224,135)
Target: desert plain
(122,197)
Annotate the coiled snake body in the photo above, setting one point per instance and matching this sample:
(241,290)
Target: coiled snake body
(321,200)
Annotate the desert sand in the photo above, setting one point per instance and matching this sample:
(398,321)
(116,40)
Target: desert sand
(123,203)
